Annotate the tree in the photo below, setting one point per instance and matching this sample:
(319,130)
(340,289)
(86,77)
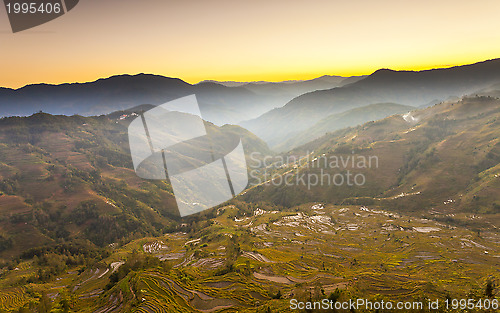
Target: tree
(490,288)
(334,296)
(278,295)
(45,304)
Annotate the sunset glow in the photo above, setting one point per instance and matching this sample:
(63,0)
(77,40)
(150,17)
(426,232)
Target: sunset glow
(248,40)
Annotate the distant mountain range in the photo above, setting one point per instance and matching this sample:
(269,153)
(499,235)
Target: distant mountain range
(283,114)
(294,88)
(419,89)
(218,103)
(76,220)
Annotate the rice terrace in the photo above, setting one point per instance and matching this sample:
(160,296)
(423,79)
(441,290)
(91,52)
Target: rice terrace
(249,156)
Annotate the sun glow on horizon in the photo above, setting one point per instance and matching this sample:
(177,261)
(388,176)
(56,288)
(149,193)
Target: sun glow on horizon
(247,77)
(248,41)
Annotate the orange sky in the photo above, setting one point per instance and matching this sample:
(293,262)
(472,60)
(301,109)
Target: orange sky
(248,40)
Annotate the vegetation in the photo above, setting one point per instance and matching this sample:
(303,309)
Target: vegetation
(79,232)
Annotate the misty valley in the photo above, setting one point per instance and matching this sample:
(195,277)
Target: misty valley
(378,188)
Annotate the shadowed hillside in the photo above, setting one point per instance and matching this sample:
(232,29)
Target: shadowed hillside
(64,178)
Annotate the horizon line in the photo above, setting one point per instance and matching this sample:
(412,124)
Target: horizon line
(311,76)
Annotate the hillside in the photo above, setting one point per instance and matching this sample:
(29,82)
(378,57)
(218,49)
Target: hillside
(81,232)
(248,259)
(354,117)
(65,178)
(440,160)
(492,91)
(421,88)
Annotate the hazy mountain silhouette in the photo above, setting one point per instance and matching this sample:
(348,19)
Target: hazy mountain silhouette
(297,88)
(99,97)
(218,103)
(422,88)
(492,91)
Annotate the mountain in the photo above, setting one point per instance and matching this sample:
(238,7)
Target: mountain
(445,158)
(80,232)
(403,87)
(297,88)
(273,94)
(99,97)
(218,103)
(229,105)
(70,179)
(493,91)
(354,117)
(322,82)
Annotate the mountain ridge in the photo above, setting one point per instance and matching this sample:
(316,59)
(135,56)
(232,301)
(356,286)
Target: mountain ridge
(404,87)
(218,103)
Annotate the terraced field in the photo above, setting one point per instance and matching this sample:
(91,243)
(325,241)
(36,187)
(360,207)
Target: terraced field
(12,298)
(240,263)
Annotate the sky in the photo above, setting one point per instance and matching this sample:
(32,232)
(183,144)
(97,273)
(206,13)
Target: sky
(236,40)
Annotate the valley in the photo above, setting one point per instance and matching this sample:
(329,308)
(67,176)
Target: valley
(81,232)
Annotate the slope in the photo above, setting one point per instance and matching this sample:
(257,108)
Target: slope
(441,159)
(349,118)
(69,178)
